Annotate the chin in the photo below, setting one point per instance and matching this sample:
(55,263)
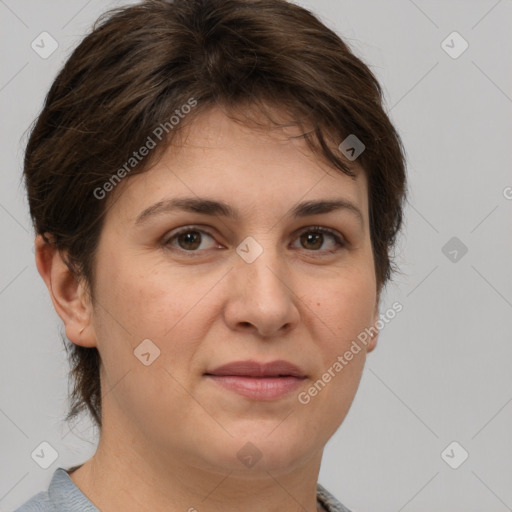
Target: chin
(275,450)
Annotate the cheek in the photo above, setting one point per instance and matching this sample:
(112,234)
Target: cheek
(146,302)
(343,309)
(137,304)
(337,313)
(345,306)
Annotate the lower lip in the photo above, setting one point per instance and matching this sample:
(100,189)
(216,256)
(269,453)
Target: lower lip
(265,388)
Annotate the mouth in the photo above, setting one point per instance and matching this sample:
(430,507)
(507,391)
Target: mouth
(256,369)
(258,381)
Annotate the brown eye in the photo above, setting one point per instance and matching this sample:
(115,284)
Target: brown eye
(314,238)
(188,239)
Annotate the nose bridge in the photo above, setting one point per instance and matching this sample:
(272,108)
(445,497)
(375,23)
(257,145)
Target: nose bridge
(262,297)
(261,265)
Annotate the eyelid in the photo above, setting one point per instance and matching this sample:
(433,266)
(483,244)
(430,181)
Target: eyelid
(323,229)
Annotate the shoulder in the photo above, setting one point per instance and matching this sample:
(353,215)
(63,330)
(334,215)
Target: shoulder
(330,503)
(62,496)
(38,503)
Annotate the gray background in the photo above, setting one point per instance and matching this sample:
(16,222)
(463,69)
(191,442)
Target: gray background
(441,371)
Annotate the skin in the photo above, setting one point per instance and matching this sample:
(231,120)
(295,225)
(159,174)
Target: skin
(170,435)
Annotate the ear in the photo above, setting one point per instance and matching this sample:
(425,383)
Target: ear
(373,339)
(67,293)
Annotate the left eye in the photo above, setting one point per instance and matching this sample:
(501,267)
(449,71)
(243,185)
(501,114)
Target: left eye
(315,236)
(190,239)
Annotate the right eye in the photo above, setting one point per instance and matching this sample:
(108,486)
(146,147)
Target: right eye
(188,239)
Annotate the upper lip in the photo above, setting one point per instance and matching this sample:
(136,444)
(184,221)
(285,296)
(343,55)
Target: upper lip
(251,368)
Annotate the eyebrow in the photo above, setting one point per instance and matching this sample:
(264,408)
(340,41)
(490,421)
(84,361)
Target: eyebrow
(220,208)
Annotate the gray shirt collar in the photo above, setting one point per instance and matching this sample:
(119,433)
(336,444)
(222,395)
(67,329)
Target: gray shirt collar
(65,495)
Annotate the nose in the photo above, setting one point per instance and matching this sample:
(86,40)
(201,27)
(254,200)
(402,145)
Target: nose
(261,296)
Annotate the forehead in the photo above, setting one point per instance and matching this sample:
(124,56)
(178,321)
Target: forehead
(254,168)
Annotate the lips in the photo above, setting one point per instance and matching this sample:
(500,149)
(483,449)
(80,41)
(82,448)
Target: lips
(255,369)
(258,381)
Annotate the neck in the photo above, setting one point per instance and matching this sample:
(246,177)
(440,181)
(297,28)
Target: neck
(135,475)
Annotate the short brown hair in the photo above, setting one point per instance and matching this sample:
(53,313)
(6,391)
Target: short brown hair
(143,62)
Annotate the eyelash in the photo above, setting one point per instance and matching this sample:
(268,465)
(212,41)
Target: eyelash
(339,241)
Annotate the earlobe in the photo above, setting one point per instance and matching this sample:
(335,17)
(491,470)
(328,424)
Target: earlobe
(374,332)
(372,343)
(66,292)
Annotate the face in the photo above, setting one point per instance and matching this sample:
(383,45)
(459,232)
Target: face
(271,282)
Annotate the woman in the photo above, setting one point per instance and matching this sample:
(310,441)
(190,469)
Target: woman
(215,189)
